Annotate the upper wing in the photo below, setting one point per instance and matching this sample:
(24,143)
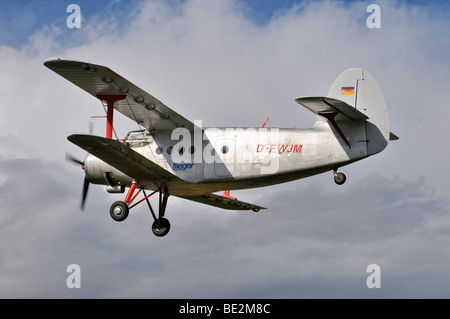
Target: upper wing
(323,105)
(138,105)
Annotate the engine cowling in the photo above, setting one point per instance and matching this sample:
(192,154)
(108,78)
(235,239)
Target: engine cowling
(99,172)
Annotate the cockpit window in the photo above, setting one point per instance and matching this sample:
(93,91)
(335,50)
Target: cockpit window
(137,138)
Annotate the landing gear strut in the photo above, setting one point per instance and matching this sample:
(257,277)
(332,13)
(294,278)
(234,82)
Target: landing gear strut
(339,178)
(161,225)
(119,210)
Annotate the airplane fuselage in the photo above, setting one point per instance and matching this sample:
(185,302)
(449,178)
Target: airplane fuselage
(214,159)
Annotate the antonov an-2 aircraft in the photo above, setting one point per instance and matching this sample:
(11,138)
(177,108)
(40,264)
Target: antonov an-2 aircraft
(171,155)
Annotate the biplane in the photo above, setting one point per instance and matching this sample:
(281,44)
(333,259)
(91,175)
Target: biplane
(173,156)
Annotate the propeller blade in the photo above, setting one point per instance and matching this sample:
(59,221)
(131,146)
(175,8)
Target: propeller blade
(86,181)
(73,159)
(85,191)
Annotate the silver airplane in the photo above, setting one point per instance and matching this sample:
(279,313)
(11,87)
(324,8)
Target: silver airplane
(171,155)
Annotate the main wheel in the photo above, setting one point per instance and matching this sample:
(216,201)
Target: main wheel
(162,229)
(119,211)
(340,178)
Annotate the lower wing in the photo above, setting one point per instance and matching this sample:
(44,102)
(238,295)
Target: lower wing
(223,202)
(141,168)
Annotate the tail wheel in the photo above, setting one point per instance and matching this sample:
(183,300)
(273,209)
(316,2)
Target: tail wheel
(119,211)
(162,228)
(339,178)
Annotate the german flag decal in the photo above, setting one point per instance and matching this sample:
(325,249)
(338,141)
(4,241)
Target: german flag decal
(348,90)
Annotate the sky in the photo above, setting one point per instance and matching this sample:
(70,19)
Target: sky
(227,63)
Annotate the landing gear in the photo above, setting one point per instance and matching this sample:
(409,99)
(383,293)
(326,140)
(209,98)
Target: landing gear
(339,178)
(119,210)
(162,228)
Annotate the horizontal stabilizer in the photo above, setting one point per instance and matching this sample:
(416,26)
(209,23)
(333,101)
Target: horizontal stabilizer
(223,202)
(323,105)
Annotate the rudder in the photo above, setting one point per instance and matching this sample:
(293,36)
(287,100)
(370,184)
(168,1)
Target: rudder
(358,88)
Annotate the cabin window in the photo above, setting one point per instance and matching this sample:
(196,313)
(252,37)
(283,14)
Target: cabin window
(225,149)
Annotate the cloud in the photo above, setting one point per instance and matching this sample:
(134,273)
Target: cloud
(209,61)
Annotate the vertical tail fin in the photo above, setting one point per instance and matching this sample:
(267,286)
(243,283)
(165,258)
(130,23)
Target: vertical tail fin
(358,88)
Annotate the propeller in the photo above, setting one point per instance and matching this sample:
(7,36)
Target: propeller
(86,181)
(85,191)
(74,159)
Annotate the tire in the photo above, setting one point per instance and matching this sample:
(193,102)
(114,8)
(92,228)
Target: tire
(162,229)
(119,211)
(340,178)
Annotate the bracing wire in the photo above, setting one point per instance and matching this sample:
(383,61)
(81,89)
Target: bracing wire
(139,125)
(134,116)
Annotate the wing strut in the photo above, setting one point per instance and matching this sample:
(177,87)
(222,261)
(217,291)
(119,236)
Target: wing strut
(110,100)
